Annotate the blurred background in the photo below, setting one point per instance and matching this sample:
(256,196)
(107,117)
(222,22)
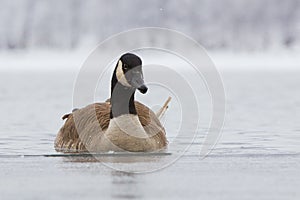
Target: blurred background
(246,25)
(224,27)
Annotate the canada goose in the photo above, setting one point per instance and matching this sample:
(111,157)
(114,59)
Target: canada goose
(120,123)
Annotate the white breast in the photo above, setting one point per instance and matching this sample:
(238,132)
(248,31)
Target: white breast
(128,124)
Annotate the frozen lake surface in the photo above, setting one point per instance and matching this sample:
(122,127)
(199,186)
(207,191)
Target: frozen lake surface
(257,156)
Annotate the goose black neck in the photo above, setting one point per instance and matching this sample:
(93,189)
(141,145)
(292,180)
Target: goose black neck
(121,99)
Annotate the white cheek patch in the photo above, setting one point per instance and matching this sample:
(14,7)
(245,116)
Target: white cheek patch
(120,75)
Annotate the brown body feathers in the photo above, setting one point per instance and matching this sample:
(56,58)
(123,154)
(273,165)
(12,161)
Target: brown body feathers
(86,130)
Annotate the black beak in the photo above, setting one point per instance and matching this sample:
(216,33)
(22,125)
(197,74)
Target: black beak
(137,82)
(143,89)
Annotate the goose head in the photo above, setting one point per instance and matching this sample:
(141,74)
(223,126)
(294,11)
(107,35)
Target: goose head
(128,72)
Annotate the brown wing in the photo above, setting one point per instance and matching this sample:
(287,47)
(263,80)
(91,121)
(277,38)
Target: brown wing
(93,115)
(93,120)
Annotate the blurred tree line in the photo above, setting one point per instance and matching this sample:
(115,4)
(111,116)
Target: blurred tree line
(216,24)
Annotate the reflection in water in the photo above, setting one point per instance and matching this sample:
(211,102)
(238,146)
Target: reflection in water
(118,157)
(125,162)
(125,185)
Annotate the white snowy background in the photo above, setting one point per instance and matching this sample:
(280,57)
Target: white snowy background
(236,33)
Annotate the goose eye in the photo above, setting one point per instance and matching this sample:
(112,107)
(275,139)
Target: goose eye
(125,67)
